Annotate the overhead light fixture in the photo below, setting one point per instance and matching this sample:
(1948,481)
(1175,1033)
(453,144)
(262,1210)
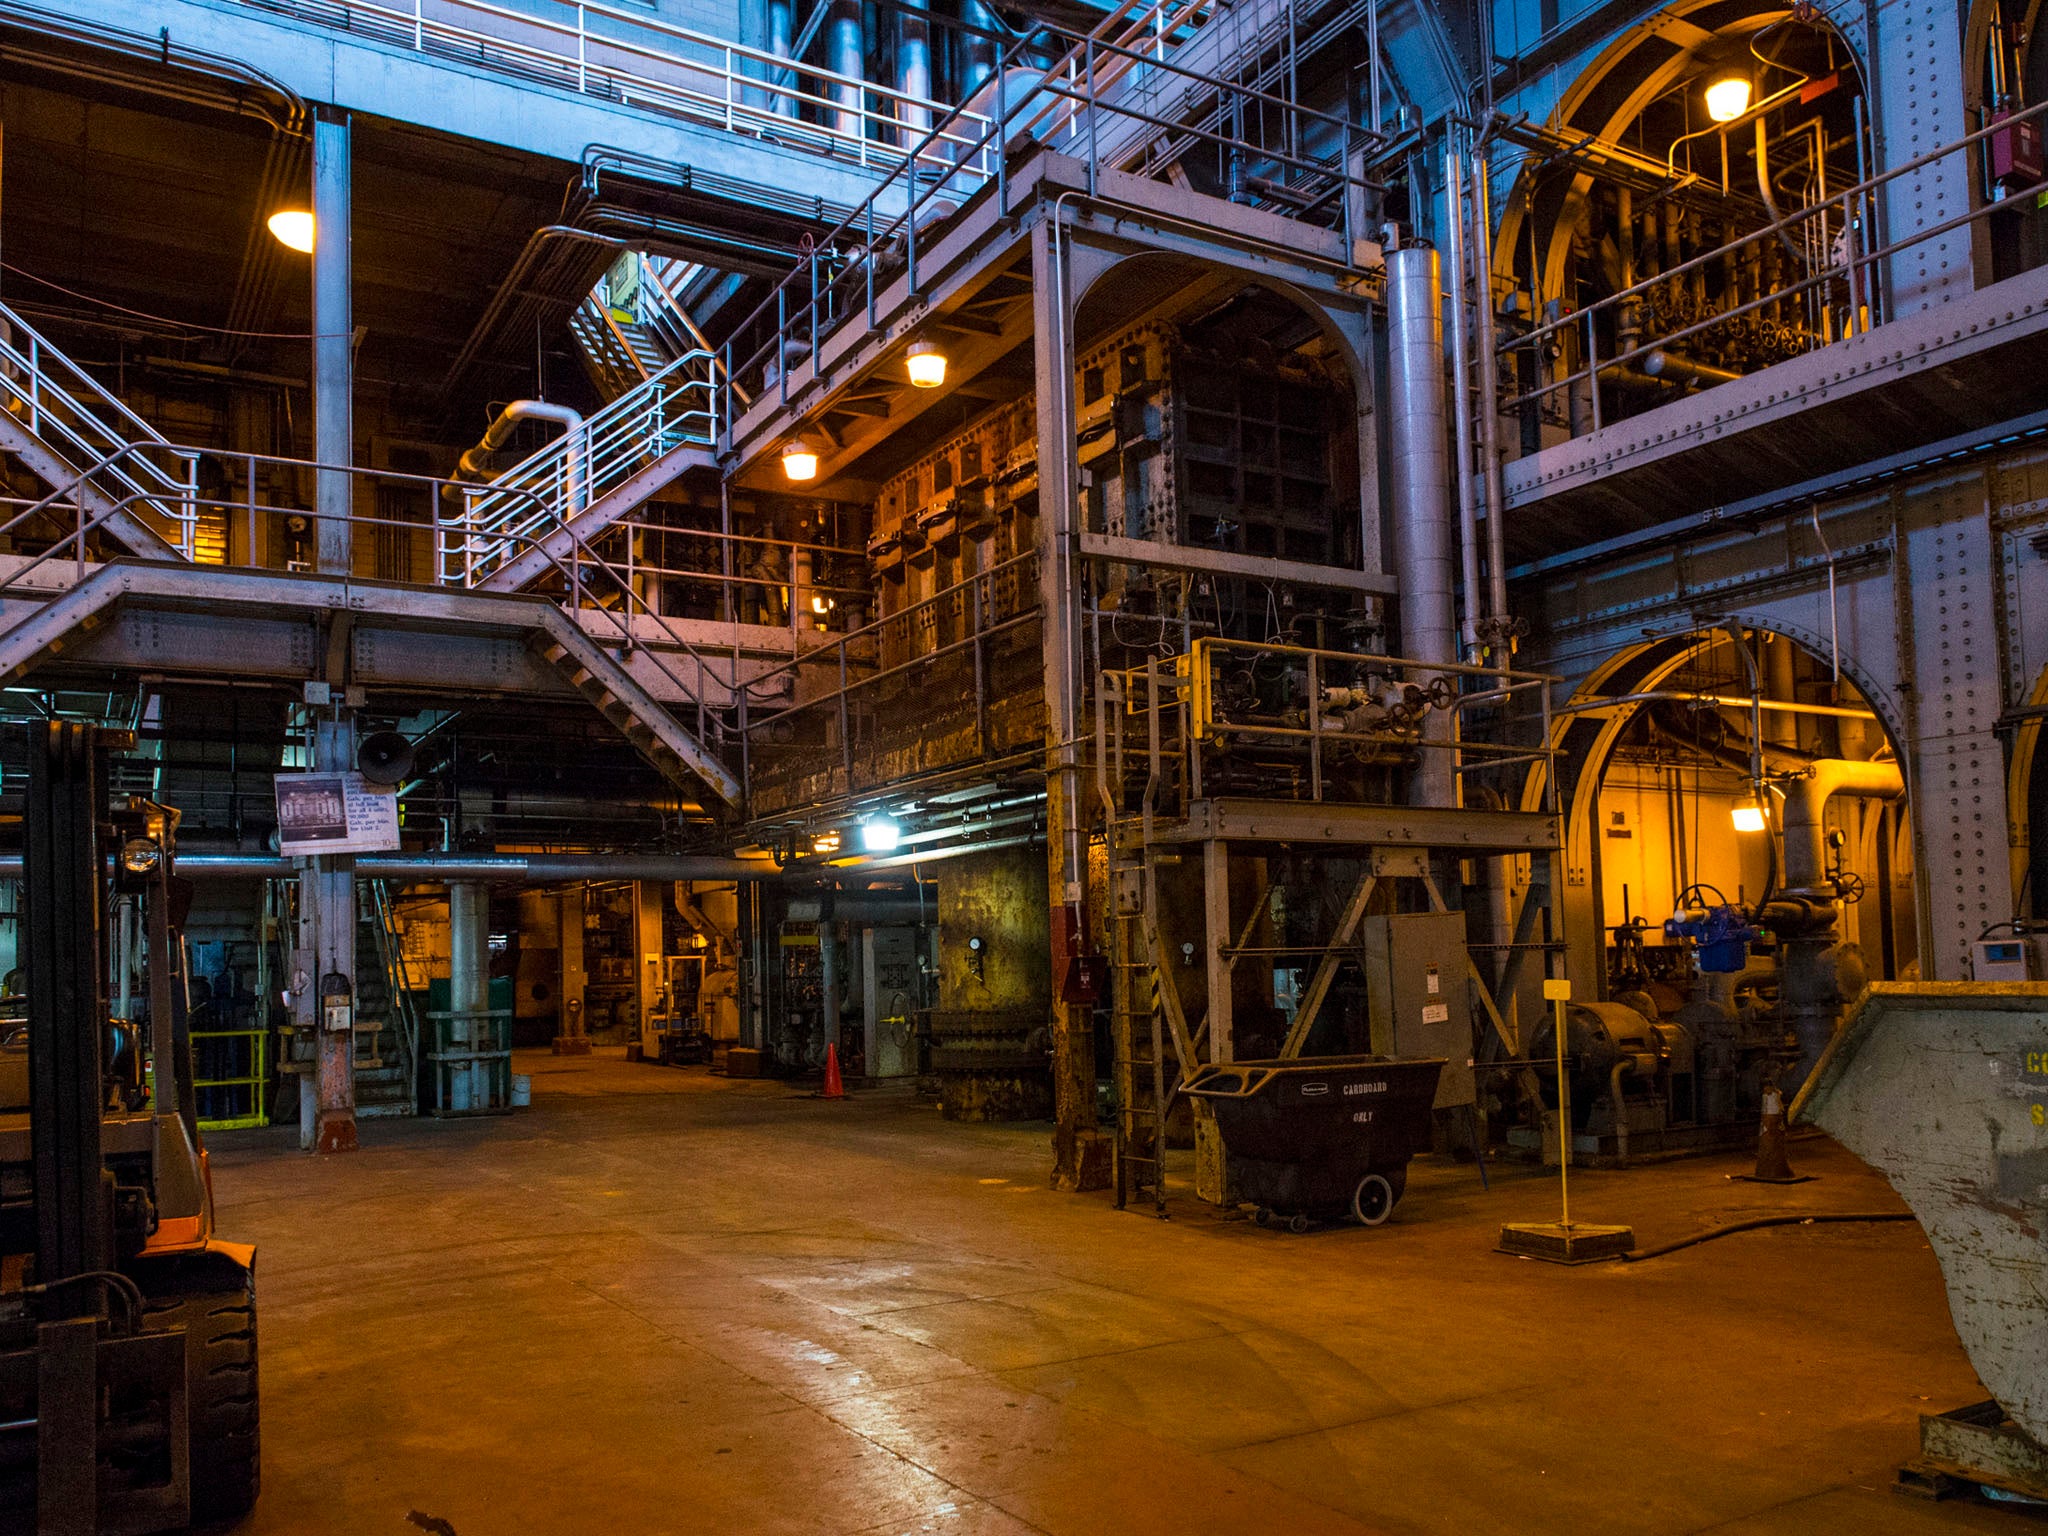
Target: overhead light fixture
(880,834)
(825,842)
(1749,817)
(293,227)
(927,365)
(799,460)
(1728,98)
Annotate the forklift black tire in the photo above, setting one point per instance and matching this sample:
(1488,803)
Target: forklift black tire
(221,1395)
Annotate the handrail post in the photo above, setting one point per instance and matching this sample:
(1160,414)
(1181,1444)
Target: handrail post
(845,730)
(1593,367)
(255,555)
(582,53)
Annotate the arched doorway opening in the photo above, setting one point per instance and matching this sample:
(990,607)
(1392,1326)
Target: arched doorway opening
(1738,862)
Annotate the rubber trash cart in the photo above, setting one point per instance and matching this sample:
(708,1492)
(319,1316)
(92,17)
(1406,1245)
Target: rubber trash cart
(1320,1136)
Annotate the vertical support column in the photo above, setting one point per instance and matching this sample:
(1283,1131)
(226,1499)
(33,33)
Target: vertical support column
(781,33)
(324,999)
(333,338)
(1080,1151)
(469,989)
(1918,44)
(1216,925)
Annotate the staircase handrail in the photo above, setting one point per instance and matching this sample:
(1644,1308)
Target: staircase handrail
(48,385)
(554,484)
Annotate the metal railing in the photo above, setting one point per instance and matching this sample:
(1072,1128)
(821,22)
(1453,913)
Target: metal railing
(590,583)
(1844,286)
(1064,106)
(112,449)
(1289,722)
(641,61)
(840,724)
(546,491)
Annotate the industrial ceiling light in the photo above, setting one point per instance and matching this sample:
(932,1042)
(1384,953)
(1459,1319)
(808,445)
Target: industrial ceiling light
(1728,98)
(927,365)
(1749,817)
(293,227)
(880,834)
(799,460)
(825,842)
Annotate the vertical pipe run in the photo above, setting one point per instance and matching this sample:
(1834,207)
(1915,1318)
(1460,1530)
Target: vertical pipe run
(1479,258)
(781,30)
(977,52)
(333,339)
(845,56)
(914,68)
(1461,395)
(1420,453)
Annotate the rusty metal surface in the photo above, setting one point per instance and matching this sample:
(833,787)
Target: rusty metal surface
(1943,1087)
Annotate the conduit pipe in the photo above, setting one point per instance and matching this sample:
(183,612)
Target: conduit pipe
(1461,397)
(1420,453)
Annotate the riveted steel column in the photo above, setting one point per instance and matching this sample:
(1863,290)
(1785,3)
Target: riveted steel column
(1080,1152)
(327,969)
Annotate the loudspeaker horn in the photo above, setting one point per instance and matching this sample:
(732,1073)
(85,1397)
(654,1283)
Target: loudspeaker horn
(385,757)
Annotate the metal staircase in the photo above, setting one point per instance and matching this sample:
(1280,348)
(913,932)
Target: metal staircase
(1137,753)
(386,1017)
(109,466)
(529,520)
(687,758)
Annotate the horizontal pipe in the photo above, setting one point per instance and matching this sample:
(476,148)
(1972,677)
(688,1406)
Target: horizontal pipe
(531,868)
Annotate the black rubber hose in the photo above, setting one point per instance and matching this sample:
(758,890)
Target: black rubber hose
(1812,1217)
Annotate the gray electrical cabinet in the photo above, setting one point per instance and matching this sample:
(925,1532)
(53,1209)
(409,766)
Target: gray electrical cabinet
(1415,986)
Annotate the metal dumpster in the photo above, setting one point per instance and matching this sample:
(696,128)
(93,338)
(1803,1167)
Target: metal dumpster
(1321,1136)
(1943,1087)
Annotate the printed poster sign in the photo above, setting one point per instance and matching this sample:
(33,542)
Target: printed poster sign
(334,813)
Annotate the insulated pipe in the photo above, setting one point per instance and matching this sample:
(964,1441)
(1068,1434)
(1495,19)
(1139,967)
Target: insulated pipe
(1677,368)
(1461,398)
(1420,453)
(914,68)
(977,53)
(844,55)
(471,465)
(781,29)
(1806,801)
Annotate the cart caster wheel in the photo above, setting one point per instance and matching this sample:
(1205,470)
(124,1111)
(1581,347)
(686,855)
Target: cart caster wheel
(1297,1223)
(1374,1200)
(1263,1216)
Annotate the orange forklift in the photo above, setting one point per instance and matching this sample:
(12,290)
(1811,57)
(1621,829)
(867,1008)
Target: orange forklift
(127,1328)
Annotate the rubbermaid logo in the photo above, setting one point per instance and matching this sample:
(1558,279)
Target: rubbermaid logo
(1309,1090)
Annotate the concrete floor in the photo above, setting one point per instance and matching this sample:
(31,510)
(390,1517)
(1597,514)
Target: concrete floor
(663,1302)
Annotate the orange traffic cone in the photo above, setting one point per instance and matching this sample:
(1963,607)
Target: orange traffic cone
(1773,1165)
(833,1089)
